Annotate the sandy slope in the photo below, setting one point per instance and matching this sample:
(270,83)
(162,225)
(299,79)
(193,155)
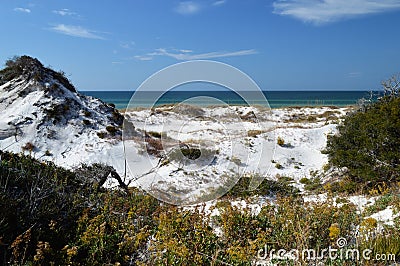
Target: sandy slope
(70,129)
(238,145)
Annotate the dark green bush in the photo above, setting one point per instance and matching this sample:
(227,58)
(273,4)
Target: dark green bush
(368,142)
(38,202)
(111,129)
(101,134)
(87,113)
(32,68)
(281,187)
(52,216)
(155,134)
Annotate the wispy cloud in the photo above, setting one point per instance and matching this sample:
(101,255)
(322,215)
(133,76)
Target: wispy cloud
(184,55)
(185,51)
(219,3)
(325,11)
(76,31)
(187,8)
(127,45)
(64,12)
(23,10)
(143,57)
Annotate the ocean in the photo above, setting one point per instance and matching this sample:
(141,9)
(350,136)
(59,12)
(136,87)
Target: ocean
(276,99)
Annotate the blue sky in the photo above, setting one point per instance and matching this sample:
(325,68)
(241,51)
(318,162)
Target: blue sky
(282,45)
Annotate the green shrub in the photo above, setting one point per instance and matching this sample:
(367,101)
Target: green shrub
(86,122)
(54,86)
(380,204)
(313,184)
(367,143)
(111,129)
(31,68)
(311,118)
(190,153)
(53,216)
(281,187)
(40,204)
(304,181)
(280,141)
(87,113)
(101,134)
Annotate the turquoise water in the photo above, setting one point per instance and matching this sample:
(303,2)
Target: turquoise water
(276,99)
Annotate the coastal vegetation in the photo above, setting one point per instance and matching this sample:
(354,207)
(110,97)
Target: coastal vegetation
(55,216)
(367,144)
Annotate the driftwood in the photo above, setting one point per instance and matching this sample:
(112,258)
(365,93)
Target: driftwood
(114,175)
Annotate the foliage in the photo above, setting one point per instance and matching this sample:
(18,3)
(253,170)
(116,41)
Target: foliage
(112,130)
(86,113)
(291,224)
(367,142)
(311,184)
(115,232)
(55,216)
(281,187)
(31,68)
(345,185)
(184,238)
(280,141)
(39,202)
(101,134)
(185,154)
(86,122)
(381,203)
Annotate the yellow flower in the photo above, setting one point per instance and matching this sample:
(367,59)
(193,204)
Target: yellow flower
(334,231)
(72,251)
(368,225)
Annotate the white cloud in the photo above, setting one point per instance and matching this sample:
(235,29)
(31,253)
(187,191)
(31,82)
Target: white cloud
(64,12)
(219,2)
(143,57)
(185,51)
(187,8)
(325,11)
(21,9)
(188,55)
(76,31)
(127,45)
